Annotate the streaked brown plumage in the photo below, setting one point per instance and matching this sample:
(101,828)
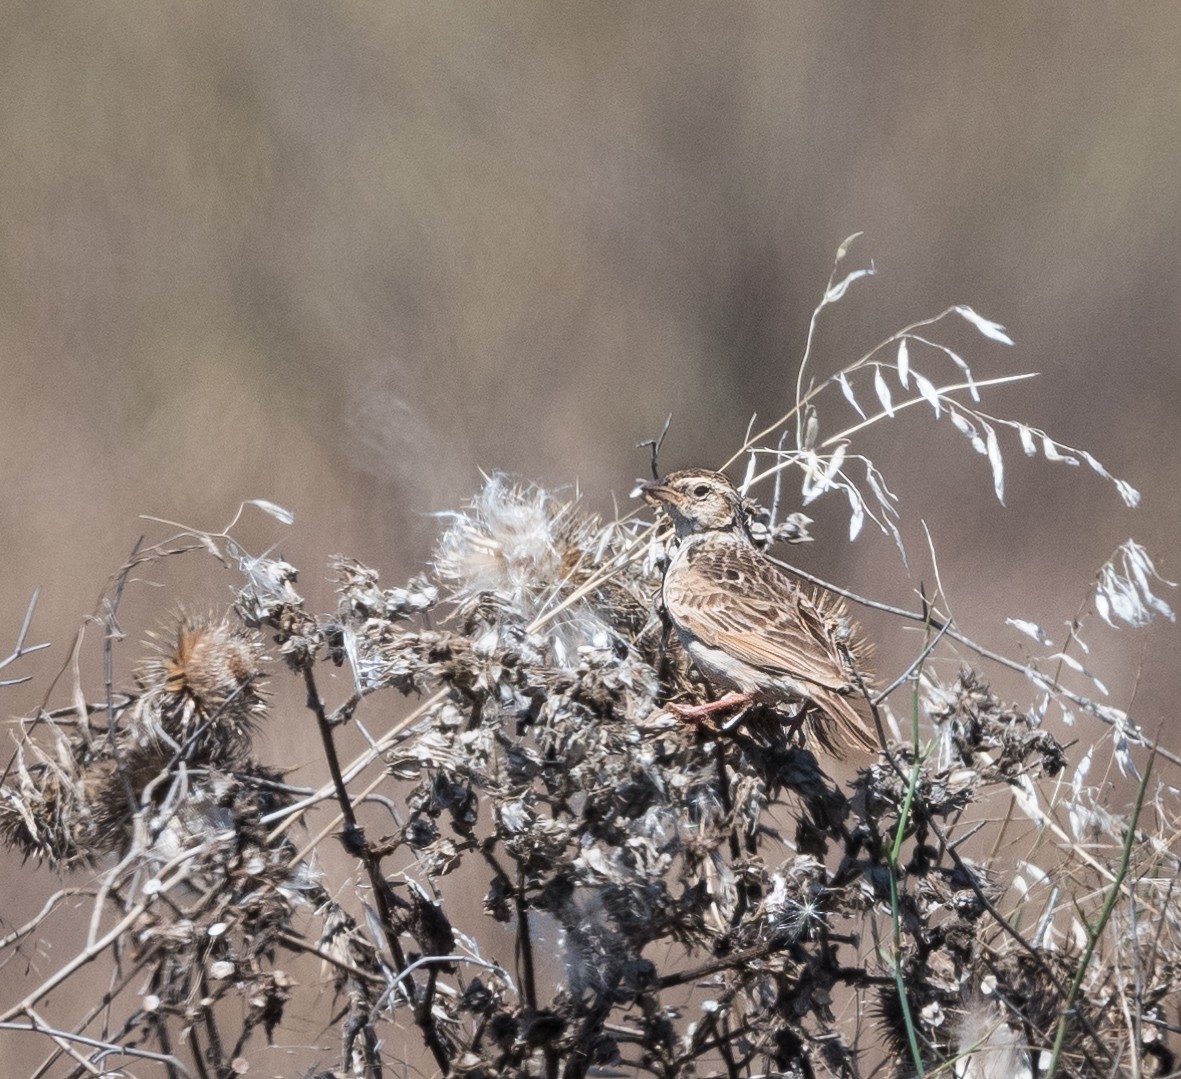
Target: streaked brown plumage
(746,624)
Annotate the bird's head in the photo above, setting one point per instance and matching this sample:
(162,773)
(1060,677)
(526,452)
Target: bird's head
(698,500)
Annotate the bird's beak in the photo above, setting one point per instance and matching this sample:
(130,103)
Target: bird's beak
(656,493)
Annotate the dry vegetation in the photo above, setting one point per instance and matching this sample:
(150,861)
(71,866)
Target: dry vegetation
(677,900)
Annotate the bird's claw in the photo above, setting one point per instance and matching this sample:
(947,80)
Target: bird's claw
(704,713)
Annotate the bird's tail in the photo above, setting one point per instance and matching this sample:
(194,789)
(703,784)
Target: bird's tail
(841,723)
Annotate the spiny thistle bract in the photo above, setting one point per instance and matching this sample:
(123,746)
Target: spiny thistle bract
(201,691)
(76,798)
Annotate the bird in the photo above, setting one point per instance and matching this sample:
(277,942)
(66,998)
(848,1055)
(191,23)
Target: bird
(747,625)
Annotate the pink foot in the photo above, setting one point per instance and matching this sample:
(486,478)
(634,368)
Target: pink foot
(697,712)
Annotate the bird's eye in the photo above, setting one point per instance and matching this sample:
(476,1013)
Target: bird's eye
(701,490)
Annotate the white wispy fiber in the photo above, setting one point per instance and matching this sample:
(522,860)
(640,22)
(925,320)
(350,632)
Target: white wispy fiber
(509,542)
(521,551)
(990,1048)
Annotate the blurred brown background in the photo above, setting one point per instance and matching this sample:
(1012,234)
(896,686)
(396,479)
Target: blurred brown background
(344,257)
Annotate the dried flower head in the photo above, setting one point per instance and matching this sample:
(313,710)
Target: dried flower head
(520,555)
(202,690)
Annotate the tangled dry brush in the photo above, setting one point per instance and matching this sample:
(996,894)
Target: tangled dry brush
(658,897)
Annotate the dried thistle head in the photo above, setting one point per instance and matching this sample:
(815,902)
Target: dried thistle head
(202,690)
(76,806)
(979,730)
(42,812)
(514,540)
(520,553)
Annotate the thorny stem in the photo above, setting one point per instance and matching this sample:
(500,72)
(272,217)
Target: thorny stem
(424,1017)
(525,940)
(724,795)
(243,1037)
(356,844)
(724,1039)
(524,937)
(354,836)
(892,860)
(216,1050)
(166,1044)
(289,816)
(700,1037)
(198,1055)
(740,908)
(577,1063)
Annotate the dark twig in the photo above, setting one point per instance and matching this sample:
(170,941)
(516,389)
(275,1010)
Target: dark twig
(945,626)
(655,444)
(354,841)
(19,649)
(353,836)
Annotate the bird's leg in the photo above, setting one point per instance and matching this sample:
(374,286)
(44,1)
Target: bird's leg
(703,711)
(795,722)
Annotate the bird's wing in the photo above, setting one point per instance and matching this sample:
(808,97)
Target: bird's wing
(737,601)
